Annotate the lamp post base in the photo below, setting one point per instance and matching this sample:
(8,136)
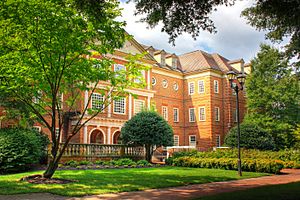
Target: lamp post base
(239,167)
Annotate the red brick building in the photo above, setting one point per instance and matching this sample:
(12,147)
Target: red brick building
(190,91)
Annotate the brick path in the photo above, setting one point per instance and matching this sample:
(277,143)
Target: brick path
(178,193)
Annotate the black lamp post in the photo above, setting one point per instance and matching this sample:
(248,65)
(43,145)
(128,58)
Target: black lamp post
(231,75)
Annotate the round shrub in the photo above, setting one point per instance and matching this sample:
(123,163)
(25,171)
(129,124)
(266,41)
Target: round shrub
(252,137)
(20,148)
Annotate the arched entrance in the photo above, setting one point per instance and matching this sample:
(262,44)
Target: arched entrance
(97,137)
(116,138)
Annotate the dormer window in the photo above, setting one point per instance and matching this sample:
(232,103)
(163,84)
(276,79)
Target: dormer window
(174,63)
(163,59)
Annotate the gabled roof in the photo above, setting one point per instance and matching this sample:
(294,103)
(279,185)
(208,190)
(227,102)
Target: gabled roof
(197,61)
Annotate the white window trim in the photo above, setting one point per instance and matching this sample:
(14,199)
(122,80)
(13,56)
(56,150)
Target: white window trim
(217,117)
(190,114)
(119,65)
(57,129)
(177,114)
(203,87)
(189,88)
(92,100)
(190,136)
(167,83)
(38,127)
(216,82)
(176,136)
(138,100)
(162,112)
(155,81)
(202,120)
(124,107)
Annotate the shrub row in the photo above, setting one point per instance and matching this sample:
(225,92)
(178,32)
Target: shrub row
(120,162)
(266,166)
(291,158)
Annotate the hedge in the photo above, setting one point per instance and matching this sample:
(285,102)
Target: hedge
(20,149)
(290,158)
(250,165)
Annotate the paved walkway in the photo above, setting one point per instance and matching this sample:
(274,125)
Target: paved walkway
(177,193)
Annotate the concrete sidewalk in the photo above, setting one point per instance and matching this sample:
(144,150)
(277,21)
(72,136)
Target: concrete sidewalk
(177,193)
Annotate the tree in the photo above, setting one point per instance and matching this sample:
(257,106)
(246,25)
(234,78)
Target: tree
(147,128)
(273,96)
(47,62)
(281,19)
(252,137)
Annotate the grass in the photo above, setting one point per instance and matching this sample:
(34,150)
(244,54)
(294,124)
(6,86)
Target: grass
(118,180)
(289,191)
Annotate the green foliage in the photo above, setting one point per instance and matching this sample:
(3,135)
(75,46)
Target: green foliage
(72,163)
(147,128)
(280,19)
(273,96)
(179,16)
(142,163)
(251,137)
(85,162)
(48,52)
(290,158)
(20,148)
(125,161)
(258,165)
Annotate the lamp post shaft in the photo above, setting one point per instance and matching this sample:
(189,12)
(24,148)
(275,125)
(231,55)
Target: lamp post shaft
(238,131)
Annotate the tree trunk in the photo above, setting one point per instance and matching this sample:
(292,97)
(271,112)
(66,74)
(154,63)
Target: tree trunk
(148,152)
(51,168)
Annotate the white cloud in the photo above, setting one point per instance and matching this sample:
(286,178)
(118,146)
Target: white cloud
(234,39)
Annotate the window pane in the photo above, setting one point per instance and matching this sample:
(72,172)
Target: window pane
(192,114)
(119,106)
(202,114)
(192,141)
(191,88)
(201,86)
(97,101)
(176,140)
(138,106)
(176,114)
(165,112)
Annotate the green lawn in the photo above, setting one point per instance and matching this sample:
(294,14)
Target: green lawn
(118,180)
(289,191)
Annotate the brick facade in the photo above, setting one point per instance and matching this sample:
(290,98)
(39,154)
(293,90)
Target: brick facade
(168,88)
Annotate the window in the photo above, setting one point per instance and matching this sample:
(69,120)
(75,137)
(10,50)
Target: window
(176,140)
(175,86)
(97,101)
(37,97)
(217,114)
(192,140)
(202,113)
(218,141)
(165,112)
(57,133)
(201,86)
(140,78)
(191,88)
(165,83)
(216,86)
(138,105)
(174,63)
(60,99)
(192,115)
(119,106)
(37,128)
(153,81)
(176,114)
(235,117)
(118,68)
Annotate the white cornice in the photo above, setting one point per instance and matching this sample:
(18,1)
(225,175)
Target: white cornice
(203,74)
(165,73)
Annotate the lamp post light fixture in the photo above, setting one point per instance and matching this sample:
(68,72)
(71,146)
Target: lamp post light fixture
(241,78)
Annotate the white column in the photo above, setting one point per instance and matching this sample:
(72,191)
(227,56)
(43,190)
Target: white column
(86,98)
(130,106)
(85,135)
(148,80)
(109,108)
(109,135)
(148,102)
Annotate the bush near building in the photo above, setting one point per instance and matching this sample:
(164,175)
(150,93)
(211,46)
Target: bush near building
(252,137)
(20,149)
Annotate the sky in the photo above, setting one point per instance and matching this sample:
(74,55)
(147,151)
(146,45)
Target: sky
(234,38)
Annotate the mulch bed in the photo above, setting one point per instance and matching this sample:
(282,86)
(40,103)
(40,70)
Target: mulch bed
(39,179)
